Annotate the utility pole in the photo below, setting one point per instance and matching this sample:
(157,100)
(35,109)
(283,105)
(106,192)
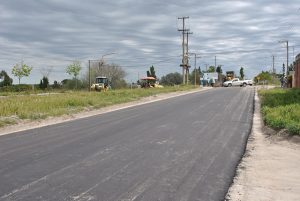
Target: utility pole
(187,53)
(195,74)
(287,57)
(195,70)
(273,59)
(215,62)
(293,53)
(90,75)
(287,54)
(184,55)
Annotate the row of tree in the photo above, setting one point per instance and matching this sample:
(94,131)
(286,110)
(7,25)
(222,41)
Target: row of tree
(114,72)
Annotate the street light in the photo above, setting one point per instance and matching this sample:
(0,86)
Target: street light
(104,55)
(287,53)
(107,55)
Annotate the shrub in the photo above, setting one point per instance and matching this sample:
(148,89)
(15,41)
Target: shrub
(16,88)
(281,109)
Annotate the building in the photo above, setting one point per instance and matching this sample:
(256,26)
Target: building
(297,72)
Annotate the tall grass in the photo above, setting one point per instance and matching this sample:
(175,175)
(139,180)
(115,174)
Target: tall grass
(40,107)
(281,109)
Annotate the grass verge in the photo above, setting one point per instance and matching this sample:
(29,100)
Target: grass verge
(36,107)
(281,109)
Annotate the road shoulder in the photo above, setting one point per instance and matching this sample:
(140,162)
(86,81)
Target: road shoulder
(269,169)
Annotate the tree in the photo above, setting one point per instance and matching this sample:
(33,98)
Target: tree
(192,76)
(291,67)
(44,83)
(263,76)
(211,69)
(242,75)
(219,71)
(113,72)
(151,72)
(7,81)
(21,71)
(74,69)
(171,79)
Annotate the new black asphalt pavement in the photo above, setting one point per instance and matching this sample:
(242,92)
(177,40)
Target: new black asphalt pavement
(184,148)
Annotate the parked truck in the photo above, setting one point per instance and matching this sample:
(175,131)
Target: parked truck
(237,82)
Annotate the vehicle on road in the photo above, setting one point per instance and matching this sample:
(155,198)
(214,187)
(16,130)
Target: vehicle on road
(237,82)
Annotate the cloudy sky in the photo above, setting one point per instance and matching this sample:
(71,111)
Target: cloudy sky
(50,34)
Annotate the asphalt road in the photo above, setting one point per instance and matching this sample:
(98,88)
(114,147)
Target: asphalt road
(184,148)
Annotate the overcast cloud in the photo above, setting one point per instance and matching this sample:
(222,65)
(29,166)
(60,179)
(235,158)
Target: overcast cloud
(53,33)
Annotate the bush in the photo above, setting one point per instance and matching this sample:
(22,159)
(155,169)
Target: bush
(44,83)
(281,109)
(71,84)
(56,85)
(16,88)
(171,79)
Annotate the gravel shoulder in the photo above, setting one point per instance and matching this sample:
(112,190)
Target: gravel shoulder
(30,124)
(269,170)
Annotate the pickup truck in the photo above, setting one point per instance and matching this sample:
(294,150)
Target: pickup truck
(237,82)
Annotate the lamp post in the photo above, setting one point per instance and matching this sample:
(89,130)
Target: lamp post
(102,58)
(104,55)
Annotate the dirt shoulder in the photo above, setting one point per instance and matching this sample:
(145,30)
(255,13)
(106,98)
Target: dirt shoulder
(269,170)
(29,124)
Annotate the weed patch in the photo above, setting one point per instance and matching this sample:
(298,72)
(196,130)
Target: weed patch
(281,109)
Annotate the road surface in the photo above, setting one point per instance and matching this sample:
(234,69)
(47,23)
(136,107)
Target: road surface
(184,148)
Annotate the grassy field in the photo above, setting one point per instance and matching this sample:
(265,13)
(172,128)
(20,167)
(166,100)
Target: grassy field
(33,107)
(281,109)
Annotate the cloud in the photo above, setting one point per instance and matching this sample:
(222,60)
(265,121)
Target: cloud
(144,33)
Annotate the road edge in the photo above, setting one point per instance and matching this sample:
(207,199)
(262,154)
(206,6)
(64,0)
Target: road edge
(255,116)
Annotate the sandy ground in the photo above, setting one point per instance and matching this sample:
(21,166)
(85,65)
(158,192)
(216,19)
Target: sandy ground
(25,125)
(269,171)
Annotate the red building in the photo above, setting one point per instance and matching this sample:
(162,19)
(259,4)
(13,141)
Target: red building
(297,71)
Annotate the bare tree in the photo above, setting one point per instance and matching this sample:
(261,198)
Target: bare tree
(46,71)
(113,72)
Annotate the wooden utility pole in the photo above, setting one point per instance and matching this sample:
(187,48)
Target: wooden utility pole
(273,61)
(184,63)
(187,70)
(287,54)
(215,62)
(287,58)
(195,74)
(90,75)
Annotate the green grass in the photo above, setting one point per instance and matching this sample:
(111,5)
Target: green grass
(40,107)
(281,109)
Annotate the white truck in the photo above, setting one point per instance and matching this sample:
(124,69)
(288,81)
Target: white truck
(237,82)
